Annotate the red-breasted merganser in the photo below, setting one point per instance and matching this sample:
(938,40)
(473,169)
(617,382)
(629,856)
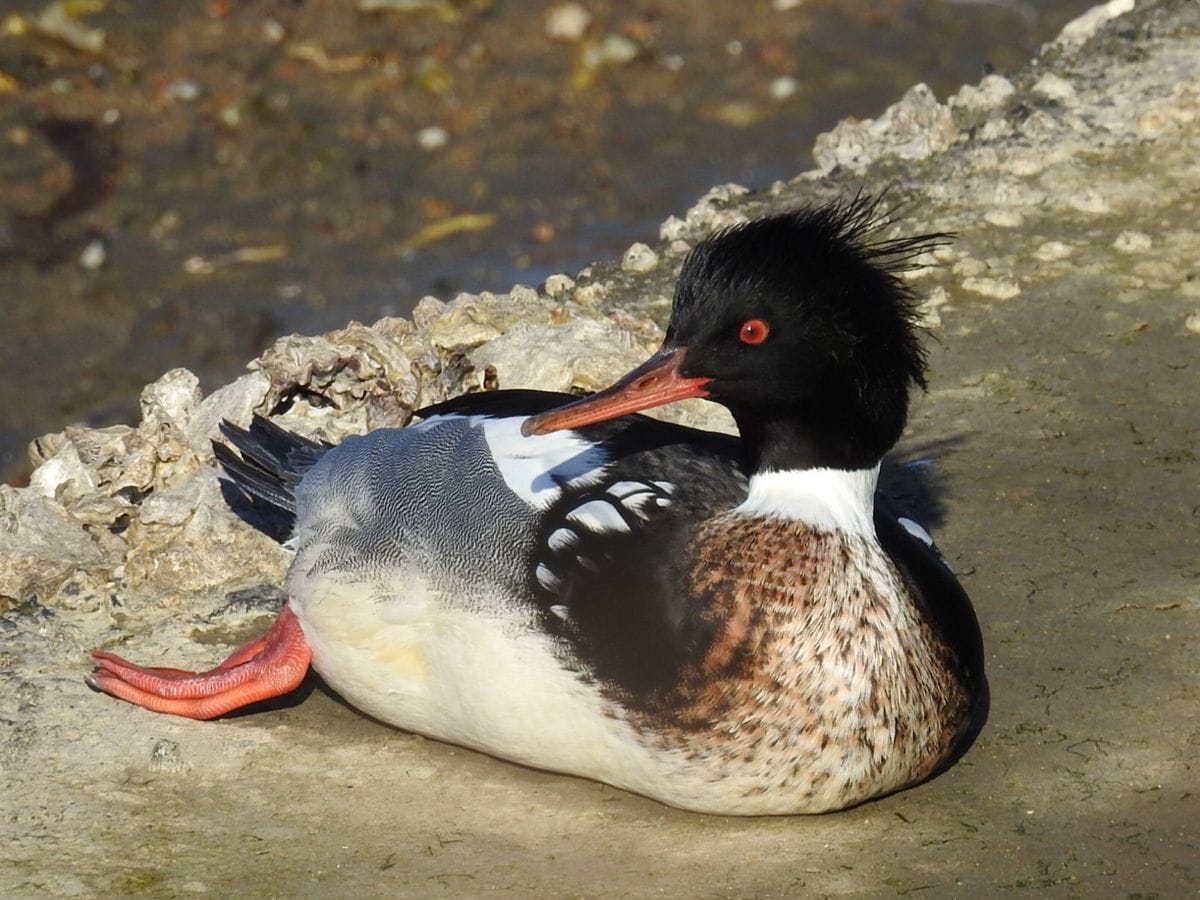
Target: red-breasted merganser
(729,626)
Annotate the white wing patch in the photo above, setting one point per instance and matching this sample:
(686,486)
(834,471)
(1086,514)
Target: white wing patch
(546,578)
(634,495)
(614,508)
(535,467)
(598,516)
(623,489)
(561,539)
(916,531)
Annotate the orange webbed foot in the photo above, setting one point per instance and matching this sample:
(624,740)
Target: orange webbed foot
(266,667)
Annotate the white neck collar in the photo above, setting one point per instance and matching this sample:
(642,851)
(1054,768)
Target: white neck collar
(827,499)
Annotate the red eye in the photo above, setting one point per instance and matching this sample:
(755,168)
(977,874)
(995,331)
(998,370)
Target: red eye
(754,331)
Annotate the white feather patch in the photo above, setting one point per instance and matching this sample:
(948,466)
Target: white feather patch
(827,499)
(561,538)
(916,531)
(623,489)
(597,516)
(533,467)
(546,578)
(634,495)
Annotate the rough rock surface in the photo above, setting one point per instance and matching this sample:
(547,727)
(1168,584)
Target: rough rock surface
(1062,418)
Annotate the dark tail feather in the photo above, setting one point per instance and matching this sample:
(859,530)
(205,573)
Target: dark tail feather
(260,483)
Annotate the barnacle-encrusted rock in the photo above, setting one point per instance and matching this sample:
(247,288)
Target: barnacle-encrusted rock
(41,545)
(578,356)
(718,208)
(361,373)
(915,128)
(185,539)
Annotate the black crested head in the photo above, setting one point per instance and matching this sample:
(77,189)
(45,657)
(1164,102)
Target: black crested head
(809,335)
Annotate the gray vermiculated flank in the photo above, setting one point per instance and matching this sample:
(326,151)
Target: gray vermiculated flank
(418,496)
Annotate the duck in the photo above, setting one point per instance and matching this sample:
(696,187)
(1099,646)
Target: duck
(728,624)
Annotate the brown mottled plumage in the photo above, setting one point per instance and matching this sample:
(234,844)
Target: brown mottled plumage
(821,684)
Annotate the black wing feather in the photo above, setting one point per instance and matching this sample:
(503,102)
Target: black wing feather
(619,597)
(263,472)
(498,404)
(936,589)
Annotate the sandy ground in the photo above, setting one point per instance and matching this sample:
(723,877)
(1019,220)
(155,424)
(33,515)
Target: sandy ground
(1063,420)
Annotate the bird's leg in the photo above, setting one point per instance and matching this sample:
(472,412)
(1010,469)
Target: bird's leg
(265,667)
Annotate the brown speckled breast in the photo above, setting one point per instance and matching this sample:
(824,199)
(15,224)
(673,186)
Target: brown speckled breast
(822,678)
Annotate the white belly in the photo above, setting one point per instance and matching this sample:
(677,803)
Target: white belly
(486,680)
(479,673)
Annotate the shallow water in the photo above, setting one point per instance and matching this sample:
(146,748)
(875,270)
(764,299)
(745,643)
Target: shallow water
(218,175)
